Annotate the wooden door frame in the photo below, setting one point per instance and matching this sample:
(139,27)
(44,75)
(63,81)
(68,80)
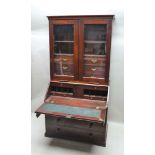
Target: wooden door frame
(81,47)
(76,49)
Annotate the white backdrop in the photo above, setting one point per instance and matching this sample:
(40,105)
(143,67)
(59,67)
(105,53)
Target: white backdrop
(40,47)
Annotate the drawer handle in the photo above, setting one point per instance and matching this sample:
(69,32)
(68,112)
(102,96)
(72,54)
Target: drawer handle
(90,134)
(56,60)
(58,119)
(65,67)
(58,129)
(93,69)
(64,59)
(68,116)
(93,60)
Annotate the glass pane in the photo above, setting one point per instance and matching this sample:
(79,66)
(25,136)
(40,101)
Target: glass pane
(95,32)
(63,64)
(95,39)
(63,32)
(63,47)
(63,39)
(63,50)
(94,50)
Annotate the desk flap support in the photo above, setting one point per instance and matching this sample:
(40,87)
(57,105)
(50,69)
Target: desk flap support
(38,114)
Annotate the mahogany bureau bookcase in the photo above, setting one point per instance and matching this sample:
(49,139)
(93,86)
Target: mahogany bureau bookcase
(75,105)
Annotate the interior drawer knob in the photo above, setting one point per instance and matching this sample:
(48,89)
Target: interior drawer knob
(56,60)
(94,60)
(93,69)
(65,67)
(68,116)
(64,59)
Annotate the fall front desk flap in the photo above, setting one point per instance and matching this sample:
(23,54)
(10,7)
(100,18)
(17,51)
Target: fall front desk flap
(68,111)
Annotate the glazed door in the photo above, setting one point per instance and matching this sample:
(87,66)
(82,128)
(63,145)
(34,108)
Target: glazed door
(94,50)
(64,49)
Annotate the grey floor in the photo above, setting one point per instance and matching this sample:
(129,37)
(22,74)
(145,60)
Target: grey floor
(42,145)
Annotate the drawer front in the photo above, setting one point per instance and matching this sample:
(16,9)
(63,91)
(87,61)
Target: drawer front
(61,89)
(95,97)
(94,75)
(94,71)
(95,87)
(89,60)
(63,59)
(63,69)
(76,133)
(62,84)
(73,123)
(95,93)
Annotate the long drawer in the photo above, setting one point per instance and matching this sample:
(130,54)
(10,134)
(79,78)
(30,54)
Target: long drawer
(73,123)
(73,130)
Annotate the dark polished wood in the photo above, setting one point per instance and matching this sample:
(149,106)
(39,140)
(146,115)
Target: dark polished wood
(83,131)
(78,17)
(79,76)
(107,59)
(75,34)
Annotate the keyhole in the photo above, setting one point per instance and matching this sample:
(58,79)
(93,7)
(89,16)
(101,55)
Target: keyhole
(58,129)
(90,125)
(58,119)
(90,134)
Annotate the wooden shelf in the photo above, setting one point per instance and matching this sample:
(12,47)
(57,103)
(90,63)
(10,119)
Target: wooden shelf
(63,54)
(94,42)
(65,41)
(95,55)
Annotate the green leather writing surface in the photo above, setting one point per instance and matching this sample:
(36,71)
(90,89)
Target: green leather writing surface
(48,107)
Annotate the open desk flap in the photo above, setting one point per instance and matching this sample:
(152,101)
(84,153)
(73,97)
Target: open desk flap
(71,112)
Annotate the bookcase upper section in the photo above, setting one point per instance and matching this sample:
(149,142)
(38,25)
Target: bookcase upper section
(80,48)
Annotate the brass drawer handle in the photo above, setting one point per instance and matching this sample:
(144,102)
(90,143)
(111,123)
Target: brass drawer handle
(64,59)
(65,67)
(68,116)
(93,69)
(56,60)
(93,60)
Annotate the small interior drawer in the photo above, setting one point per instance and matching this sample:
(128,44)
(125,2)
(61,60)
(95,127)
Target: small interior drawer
(63,59)
(101,93)
(63,69)
(95,93)
(62,90)
(100,60)
(94,71)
